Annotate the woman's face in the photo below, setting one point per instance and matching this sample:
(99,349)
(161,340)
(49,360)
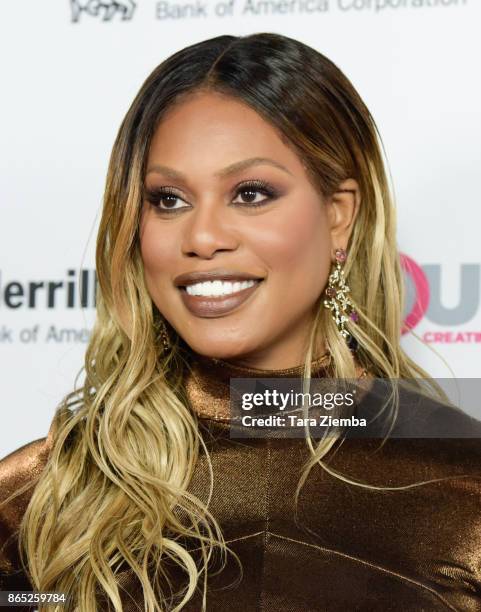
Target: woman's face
(226,194)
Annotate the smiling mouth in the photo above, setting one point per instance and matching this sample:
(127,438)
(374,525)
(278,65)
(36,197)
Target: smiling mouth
(217,305)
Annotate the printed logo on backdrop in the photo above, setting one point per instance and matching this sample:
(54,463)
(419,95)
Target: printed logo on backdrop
(105,10)
(423,299)
(78,290)
(123,10)
(174,10)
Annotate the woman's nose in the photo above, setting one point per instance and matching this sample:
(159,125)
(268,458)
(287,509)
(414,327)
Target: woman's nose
(210,228)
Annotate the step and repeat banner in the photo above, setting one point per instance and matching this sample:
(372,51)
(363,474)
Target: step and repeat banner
(70,70)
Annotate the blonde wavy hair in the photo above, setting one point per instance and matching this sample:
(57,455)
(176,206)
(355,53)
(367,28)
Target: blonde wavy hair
(113,494)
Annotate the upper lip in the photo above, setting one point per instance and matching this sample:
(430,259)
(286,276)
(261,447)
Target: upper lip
(189,278)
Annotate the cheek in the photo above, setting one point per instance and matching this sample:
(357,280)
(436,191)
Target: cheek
(156,251)
(297,246)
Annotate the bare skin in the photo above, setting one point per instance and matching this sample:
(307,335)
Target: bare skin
(289,240)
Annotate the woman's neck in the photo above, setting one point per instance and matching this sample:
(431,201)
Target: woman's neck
(247,368)
(207,381)
(273,361)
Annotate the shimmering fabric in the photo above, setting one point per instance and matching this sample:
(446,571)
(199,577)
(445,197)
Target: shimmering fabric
(347,548)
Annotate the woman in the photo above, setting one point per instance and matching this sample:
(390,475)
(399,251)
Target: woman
(246,195)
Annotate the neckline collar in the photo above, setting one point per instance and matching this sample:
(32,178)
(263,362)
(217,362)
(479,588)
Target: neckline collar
(207,382)
(243,371)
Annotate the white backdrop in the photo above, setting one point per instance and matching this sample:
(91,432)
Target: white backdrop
(70,71)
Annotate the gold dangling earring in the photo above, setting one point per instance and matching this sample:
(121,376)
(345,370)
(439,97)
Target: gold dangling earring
(165,338)
(338,301)
(163,335)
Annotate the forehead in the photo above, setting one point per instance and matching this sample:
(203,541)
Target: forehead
(210,125)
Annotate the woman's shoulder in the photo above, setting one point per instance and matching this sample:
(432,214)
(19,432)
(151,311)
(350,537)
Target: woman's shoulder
(424,439)
(22,466)
(418,414)
(19,471)
(25,464)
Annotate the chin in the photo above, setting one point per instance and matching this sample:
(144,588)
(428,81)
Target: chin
(220,350)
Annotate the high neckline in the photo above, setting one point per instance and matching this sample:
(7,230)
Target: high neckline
(207,382)
(243,371)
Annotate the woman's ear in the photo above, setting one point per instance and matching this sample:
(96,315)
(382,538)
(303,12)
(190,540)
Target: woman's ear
(342,209)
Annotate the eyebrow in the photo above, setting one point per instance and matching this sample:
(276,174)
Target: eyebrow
(227,171)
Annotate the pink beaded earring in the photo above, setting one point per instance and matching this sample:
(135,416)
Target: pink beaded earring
(338,302)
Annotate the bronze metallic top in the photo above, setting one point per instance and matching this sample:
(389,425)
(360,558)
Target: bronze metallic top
(345,548)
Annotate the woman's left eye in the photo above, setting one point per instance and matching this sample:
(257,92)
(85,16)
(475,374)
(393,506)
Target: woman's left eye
(254,194)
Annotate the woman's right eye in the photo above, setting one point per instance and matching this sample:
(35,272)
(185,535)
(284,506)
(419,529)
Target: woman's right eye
(164,199)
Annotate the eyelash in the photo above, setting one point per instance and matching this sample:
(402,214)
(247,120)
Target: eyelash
(154,196)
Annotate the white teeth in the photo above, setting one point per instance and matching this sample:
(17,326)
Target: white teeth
(217,287)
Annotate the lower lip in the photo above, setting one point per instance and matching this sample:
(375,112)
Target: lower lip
(214,306)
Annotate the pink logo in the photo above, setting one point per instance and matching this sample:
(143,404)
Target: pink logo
(421,285)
